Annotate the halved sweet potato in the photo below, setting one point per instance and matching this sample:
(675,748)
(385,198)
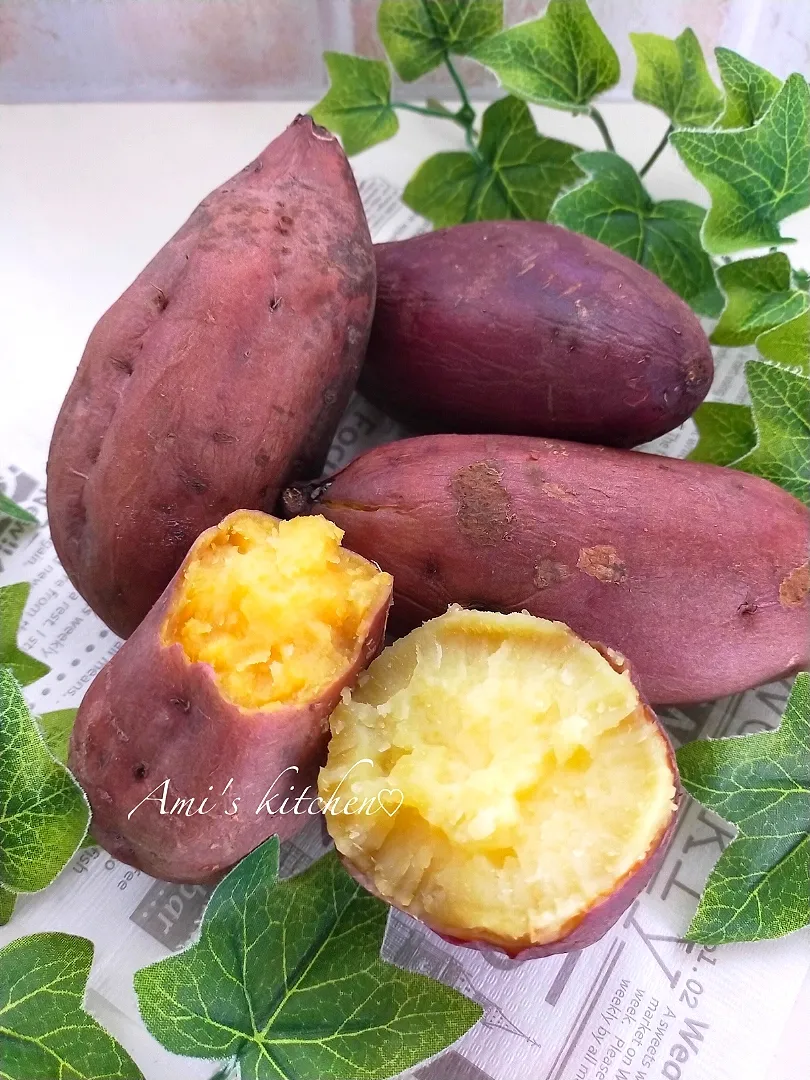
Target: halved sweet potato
(697,574)
(220,373)
(525,328)
(227,683)
(500,779)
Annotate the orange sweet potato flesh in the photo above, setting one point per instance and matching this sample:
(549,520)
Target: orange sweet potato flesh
(500,779)
(227,683)
(697,574)
(220,372)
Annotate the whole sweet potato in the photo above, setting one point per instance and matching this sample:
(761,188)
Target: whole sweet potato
(196,740)
(220,373)
(525,328)
(697,574)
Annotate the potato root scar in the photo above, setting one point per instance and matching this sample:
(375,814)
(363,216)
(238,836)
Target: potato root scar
(603,563)
(483,505)
(794,588)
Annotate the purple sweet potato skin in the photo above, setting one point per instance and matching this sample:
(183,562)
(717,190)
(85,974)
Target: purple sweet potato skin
(151,716)
(525,328)
(697,574)
(221,372)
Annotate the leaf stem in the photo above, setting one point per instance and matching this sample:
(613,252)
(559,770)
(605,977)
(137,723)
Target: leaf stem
(454,75)
(654,156)
(599,120)
(425,111)
(466,114)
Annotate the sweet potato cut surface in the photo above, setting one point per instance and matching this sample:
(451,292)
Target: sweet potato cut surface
(497,777)
(220,372)
(226,684)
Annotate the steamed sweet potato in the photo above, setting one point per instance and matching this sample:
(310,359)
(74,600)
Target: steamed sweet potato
(500,779)
(525,328)
(223,694)
(221,372)
(697,574)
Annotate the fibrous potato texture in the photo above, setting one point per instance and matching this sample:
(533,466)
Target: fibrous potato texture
(506,778)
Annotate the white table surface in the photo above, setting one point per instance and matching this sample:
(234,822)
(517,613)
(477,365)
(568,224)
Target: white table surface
(88,193)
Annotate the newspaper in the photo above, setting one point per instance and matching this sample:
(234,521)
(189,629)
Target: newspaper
(639,1004)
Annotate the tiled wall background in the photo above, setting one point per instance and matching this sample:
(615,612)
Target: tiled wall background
(152,50)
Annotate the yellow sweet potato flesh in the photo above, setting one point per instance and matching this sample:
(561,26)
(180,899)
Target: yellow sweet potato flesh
(531,781)
(275,607)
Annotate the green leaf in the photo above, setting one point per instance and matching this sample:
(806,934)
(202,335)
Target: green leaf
(357,104)
(759,295)
(44,812)
(515,172)
(56,728)
(750,89)
(612,205)
(418,34)
(45,1032)
(7,901)
(726,431)
(756,176)
(287,977)
(562,59)
(780,401)
(788,344)
(760,887)
(26,669)
(8,508)
(671,74)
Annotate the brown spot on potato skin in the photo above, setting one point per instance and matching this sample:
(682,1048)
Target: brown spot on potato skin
(794,588)
(602,562)
(547,572)
(483,505)
(553,491)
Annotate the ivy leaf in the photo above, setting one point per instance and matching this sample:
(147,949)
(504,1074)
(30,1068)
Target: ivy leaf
(759,295)
(750,89)
(7,901)
(8,508)
(671,74)
(760,887)
(780,401)
(357,104)
(286,976)
(788,344)
(756,176)
(418,34)
(44,1029)
(562,59)
(56,728)
(727,432)
(45,813)
(515,172)
(612,205)
(26,669)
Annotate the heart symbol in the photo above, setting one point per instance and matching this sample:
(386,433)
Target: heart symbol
(391,792)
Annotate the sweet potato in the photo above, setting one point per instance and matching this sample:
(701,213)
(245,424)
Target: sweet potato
(221,372)
(227,683)
(697,574)
(525,328)
(500,779)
